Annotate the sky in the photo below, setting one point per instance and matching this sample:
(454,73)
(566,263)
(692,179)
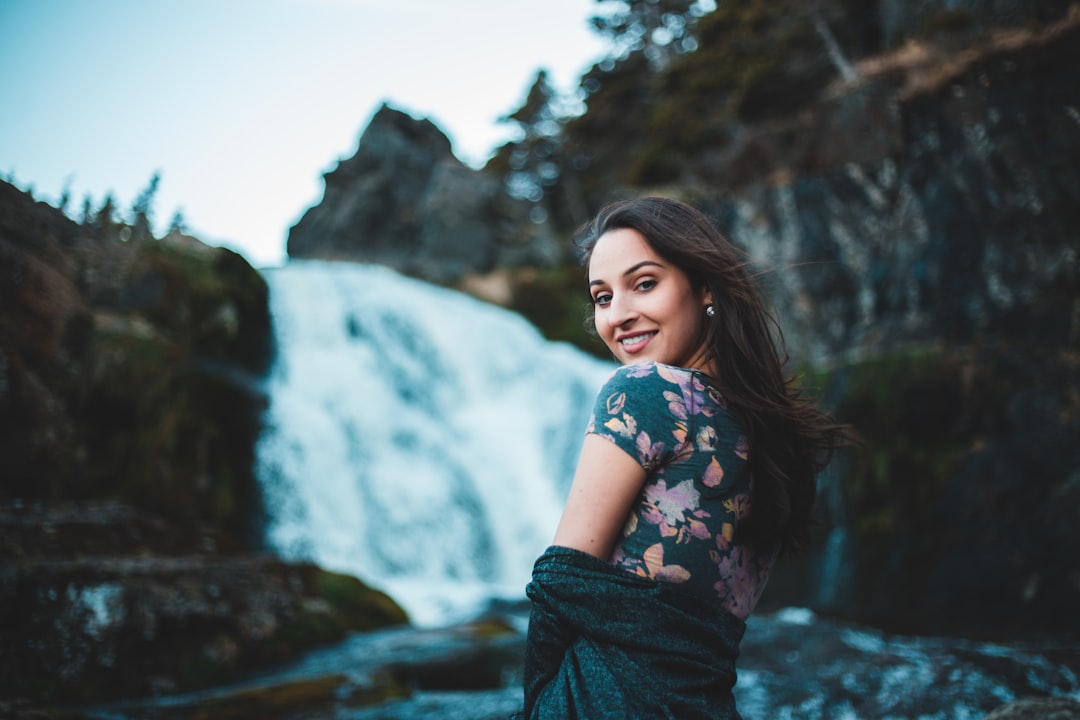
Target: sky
(242,105)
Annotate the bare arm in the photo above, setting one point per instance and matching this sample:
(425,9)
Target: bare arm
(606,482)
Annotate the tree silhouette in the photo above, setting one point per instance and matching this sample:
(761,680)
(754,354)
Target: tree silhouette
(142,208)
(106,216)
(661,29)
(87,210)
(65,196)
(533,160)
(178,223)
(534,167)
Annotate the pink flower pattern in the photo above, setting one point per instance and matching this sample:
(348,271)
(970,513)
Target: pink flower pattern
(698,487)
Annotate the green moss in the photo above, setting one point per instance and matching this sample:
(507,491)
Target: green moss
(306,697)
(312,626)
(277,701)
(191,269)
(359,606)
(491,628)
(162,421)
(911,411)
(213,300)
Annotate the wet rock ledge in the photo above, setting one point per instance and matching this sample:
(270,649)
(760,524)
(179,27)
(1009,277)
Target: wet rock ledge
(139,610)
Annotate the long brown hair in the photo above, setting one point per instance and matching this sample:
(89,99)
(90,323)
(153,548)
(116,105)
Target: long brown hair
(791,440)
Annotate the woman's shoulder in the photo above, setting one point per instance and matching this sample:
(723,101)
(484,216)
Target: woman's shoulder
(651,371)
(651,379)
(652,375)
(676,386)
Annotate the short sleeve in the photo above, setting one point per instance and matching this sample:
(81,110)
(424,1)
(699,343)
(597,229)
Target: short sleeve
(642,408)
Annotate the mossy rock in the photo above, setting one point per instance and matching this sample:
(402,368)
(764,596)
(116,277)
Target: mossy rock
(359,606)
(957,504)
(212,299)
(911,410)
(93,630)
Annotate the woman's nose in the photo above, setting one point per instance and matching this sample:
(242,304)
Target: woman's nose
(620,311)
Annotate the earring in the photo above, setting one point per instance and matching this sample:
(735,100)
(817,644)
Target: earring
(710,311)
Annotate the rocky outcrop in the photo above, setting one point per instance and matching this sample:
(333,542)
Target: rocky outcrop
(928,199)
(403,200)
(1038,708)
(933,266)
(130,367)
(130,404)
(104,600)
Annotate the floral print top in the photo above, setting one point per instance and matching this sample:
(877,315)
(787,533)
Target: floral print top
(697,488)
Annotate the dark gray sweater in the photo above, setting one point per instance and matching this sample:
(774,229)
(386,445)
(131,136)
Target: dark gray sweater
(604,645)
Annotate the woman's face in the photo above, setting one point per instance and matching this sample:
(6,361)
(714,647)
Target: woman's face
(646,307)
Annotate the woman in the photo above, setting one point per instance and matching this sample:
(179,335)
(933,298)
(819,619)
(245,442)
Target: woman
(698,468)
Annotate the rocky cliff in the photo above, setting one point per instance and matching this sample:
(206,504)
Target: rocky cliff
(129,410)
(918,229)
(89,314)
(933,196)
(403,200)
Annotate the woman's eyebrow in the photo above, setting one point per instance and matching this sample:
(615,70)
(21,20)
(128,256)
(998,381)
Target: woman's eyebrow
(631,270)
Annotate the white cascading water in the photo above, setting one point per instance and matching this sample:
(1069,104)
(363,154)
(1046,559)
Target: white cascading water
(417,438)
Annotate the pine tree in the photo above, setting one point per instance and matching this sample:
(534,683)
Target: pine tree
(87,210)
(143,207)
(661,29)
(533,160)
(178,223)
(65,196)
(533,167)
(106,216)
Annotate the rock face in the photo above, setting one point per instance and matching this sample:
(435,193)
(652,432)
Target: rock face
(932,198)
(405,201)
(934,265)
(1053,708)
(130,367)
(129,411)
(106,600)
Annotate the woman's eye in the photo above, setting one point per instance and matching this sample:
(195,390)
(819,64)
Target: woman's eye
(601,299)
(646,284)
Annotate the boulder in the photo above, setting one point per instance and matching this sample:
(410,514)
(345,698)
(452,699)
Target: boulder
(1051,708)
(103,600)
(403,200)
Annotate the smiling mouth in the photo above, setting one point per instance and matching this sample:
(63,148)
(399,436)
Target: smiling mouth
(634,342)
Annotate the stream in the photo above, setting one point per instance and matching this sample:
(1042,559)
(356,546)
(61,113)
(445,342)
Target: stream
(793,666)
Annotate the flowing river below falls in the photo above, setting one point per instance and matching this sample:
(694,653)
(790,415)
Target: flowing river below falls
(793,666)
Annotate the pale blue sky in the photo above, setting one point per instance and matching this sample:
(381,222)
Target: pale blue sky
(243,104)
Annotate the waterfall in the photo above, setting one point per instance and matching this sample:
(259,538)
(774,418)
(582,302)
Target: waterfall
(415,437)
